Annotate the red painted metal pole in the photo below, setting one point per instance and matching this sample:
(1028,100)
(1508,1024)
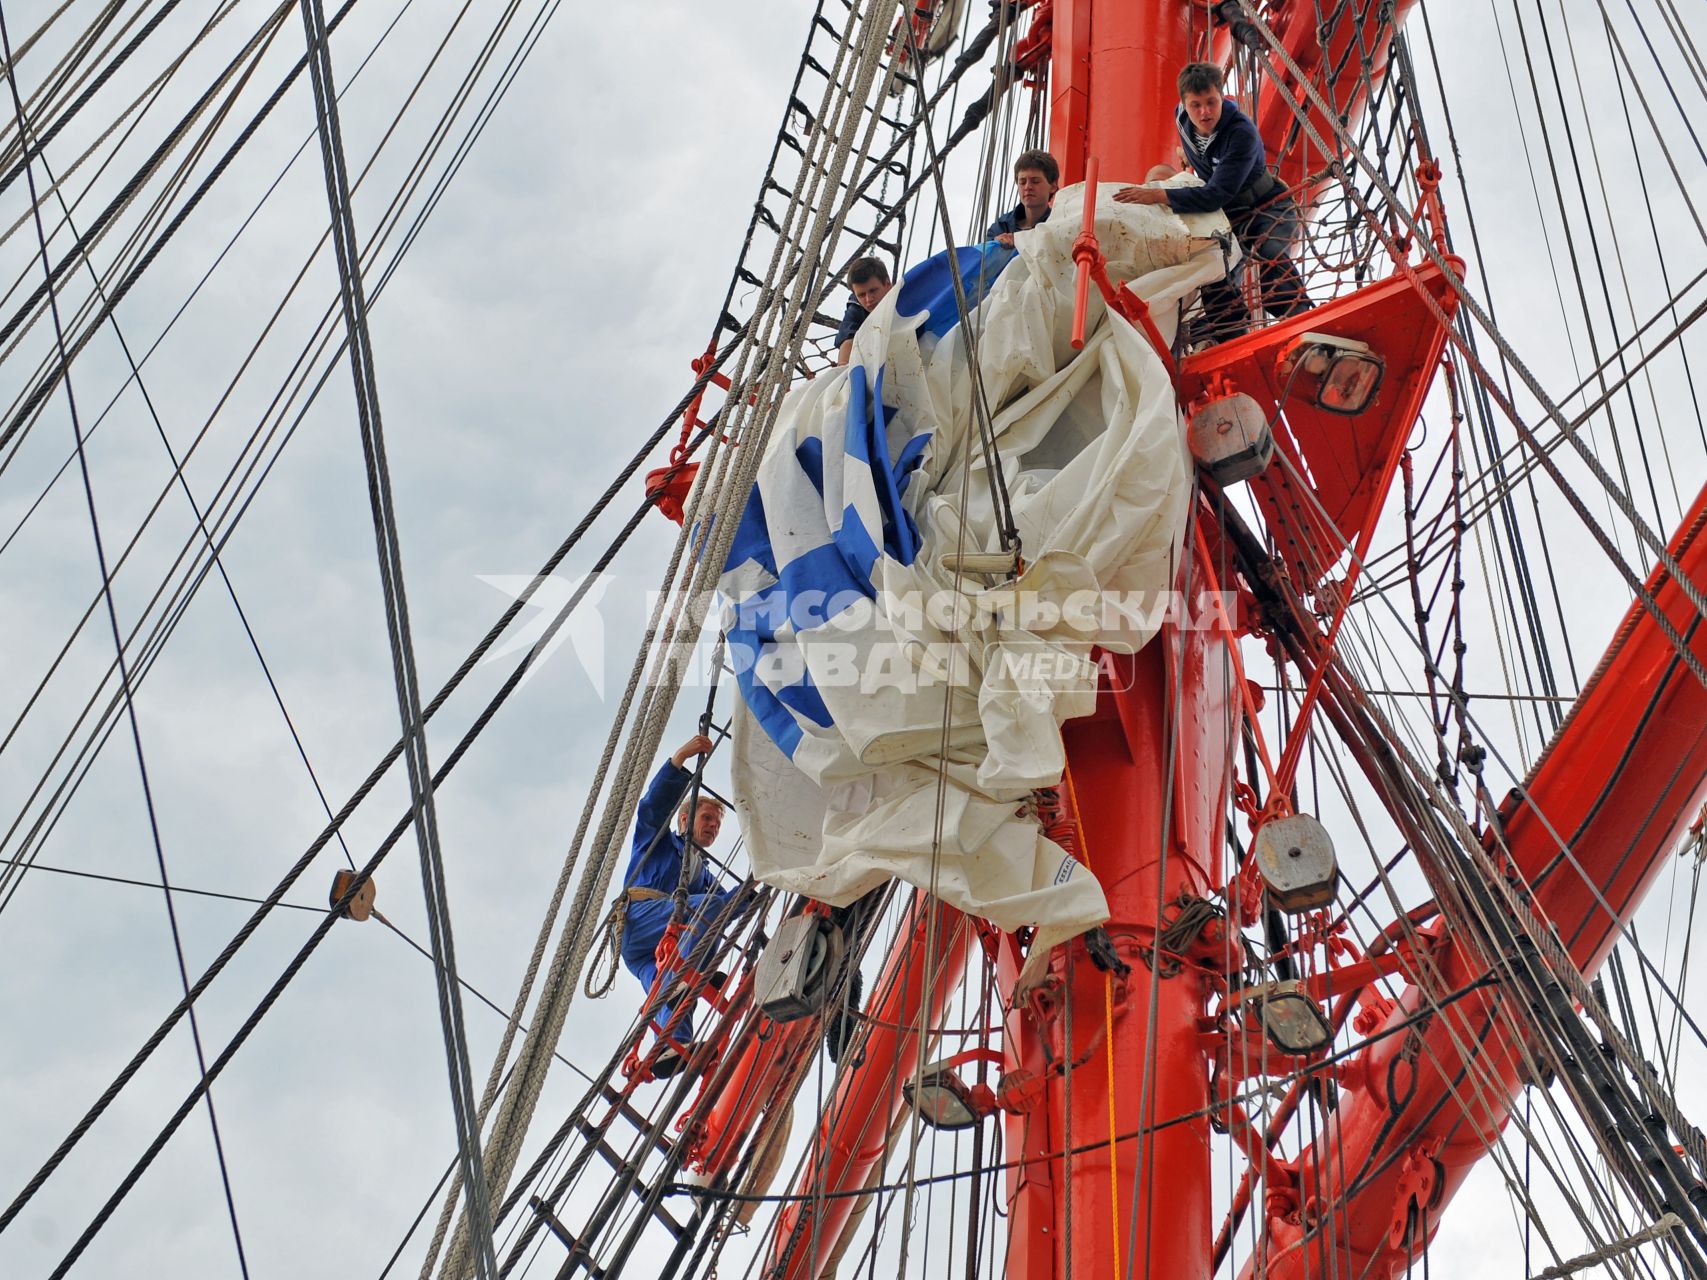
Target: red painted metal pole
(768,1058)
(1084,253)
(923,972)
(1112,81)
(1112,92)
(1155,1192)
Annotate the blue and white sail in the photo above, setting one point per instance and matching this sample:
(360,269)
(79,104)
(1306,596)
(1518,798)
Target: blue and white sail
(874,670)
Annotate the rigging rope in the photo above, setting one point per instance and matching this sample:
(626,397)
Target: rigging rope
(195,578)
(755,397)
(45,385)
(1373,740)
(118,644)
(510,684)
(1424,241)
(1667,1223)
(135,375)
(509,614)
(360,345)
(107,72)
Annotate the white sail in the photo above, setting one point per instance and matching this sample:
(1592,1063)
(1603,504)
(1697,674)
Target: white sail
(873,662)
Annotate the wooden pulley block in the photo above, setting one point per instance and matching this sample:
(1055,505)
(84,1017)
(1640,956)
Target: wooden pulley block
(1295,858)
(359,907)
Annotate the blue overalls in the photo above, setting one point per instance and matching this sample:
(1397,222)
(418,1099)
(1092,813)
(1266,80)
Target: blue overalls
(655,862)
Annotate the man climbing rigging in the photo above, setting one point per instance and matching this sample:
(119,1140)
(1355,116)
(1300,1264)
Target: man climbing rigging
(869,280)
(1221,145)
(661,859)
(1036,175)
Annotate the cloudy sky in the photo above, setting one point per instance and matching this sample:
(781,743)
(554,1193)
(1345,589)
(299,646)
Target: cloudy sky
(537,330)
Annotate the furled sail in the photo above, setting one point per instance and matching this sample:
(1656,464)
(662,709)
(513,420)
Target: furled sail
(870,667)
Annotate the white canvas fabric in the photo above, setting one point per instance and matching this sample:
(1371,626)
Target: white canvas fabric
(896,716)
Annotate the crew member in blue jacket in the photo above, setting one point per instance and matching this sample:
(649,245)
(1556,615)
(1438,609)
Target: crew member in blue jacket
(655,865)
(1222,146)
(1036,175)
(868,281)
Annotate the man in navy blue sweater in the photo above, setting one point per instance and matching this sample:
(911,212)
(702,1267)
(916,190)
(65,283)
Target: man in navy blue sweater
(868,280)
(655,867)
(1036,175)
(1222,146)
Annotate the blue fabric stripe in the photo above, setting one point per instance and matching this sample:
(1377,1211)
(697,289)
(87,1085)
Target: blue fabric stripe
(818,583)
(929,287)
(867,441)
(774,718)
(803,697)
(912,454)
(810,455)
(752,537)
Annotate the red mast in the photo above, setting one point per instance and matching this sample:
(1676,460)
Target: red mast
(1107,1082)
(1148,771)
(1111,82)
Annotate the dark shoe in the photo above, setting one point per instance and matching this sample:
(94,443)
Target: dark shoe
(672,1059)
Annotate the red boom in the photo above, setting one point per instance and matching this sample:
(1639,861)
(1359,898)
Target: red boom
(1607,803)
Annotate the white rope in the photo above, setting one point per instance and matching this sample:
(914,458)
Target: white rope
(729,474)
(1665,1226)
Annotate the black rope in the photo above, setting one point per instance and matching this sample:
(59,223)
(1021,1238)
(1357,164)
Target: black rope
(118,645)
(1660,255)
(363,876)
(1488,426)
(195,290)
(1595,258)
(357,797)
(117,204)
(44,387)
(105,1100)
(294,906)
(70,113)
(1006,529)
(207,534)
(150,884)
(385,276)
(464,1104)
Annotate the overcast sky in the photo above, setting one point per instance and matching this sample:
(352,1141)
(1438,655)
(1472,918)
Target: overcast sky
(536,332)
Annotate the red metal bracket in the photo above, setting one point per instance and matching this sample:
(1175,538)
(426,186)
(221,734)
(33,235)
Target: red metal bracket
(1429,211)
(1422,1180)
(1280,1175)
(1032,51)
(1093,266)
(1359,973)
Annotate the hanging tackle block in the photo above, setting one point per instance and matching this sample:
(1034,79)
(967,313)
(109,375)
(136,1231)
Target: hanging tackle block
(798,968)
(1230,437)
(359,907)
(1296,860)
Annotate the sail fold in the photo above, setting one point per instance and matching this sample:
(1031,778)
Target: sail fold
(900,704)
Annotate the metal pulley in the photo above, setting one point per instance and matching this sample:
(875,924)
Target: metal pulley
(359,907)
(1296,860)
(798,968)
(1229,436)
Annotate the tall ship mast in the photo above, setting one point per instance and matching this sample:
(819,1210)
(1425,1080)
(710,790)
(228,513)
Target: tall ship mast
(1191,805)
